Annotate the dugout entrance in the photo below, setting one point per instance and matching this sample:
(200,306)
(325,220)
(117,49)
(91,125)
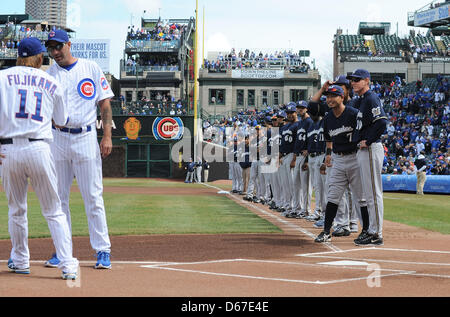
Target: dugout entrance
(147,160)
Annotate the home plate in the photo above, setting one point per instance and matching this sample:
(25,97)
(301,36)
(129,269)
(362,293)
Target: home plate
(345,263)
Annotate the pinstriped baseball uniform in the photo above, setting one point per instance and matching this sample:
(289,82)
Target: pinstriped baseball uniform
(29,99)
(78,154)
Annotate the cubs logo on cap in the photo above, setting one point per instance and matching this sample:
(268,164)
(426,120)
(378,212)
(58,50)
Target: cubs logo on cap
(104,83)
(86,89)
(168,128)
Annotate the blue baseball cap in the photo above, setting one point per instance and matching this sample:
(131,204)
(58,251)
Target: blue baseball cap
(334,90)
(281,114)
(291,107)
(58,36)
(342,80)
(29,47)
(302,104)
(359,73)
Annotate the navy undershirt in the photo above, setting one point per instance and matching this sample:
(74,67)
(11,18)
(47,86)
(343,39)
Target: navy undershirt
(69,67)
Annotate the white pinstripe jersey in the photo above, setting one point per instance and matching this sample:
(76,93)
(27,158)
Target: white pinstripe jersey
(85,85)
(29,99)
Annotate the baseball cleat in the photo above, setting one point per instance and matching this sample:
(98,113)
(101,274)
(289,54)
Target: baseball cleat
(323,237)
(313,217)
(319,223)
(14,269)
(301,215)
(69,276)
(364,238)
(376,240)
(103,260)
(341,232)
(53,262)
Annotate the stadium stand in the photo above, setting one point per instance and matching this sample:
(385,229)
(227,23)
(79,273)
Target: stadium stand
(278,60)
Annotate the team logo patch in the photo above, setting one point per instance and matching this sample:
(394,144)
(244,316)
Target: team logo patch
(132,128)
(104,83)
(376,111)
(52,34)
(168,128)
(86,89)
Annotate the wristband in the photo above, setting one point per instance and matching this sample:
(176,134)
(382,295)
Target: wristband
(328,151)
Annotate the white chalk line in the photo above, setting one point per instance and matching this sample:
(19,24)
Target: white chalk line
(287,223)
(278,279)
(163,267)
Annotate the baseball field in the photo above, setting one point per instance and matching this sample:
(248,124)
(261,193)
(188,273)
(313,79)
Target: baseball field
(171,239)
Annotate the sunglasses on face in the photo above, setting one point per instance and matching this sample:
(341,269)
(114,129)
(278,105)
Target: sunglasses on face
(56,47)
(356,80)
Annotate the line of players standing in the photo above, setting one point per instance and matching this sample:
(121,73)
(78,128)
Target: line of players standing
(285,182)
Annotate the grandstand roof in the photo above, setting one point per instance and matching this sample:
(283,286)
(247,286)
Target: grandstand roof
(16,18)
(371,28)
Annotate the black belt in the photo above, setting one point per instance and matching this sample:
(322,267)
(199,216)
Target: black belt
(316,154)
(345,153)
(10,141)
(73,130)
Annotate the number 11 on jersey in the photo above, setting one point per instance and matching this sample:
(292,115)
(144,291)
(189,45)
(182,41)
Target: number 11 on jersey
(23,102)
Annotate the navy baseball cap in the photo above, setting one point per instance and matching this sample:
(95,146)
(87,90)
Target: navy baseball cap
(341,80)
(291,107)
(302,104)
(334,90)
(58,36)
(281,114)
(359,73)
(29,47)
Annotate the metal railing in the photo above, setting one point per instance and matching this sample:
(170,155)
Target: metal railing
(132,69)
(152,45)
(257,62)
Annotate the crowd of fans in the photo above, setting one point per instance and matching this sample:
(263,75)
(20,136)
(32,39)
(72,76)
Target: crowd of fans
(162,62)
(160,104)
(410,51)
(163,31)
(252,60)
(418,124)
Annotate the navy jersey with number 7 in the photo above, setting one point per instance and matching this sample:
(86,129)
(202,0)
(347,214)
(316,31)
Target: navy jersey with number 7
(340,130)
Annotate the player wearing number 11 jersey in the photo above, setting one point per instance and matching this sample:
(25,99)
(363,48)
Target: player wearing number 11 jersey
(29,100)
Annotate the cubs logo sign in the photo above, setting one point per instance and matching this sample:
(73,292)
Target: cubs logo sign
(168,128)
(86,89)
(132,128)
(104,83)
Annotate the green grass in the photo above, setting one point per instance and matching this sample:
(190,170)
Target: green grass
(139,214)
(431,212)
